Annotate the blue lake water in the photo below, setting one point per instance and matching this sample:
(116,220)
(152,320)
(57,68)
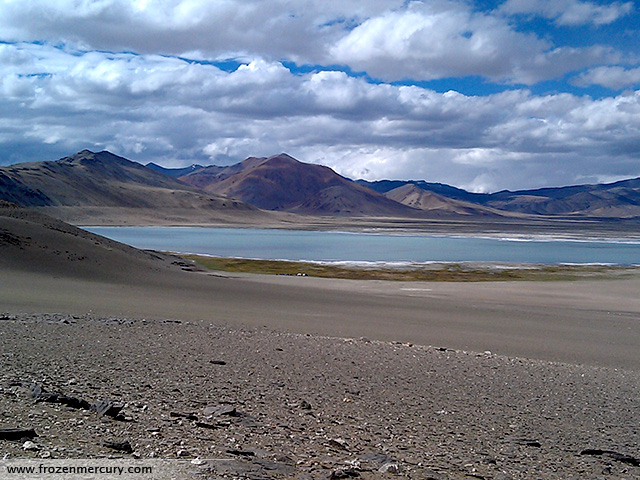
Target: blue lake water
(365,247)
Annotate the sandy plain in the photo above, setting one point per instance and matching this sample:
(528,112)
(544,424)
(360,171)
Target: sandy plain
(329,378)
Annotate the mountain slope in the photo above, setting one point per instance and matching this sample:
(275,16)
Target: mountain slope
(174,172)
(619,199)
(103,179)
(283,183)
(614,200)
(31,241)
(414,196)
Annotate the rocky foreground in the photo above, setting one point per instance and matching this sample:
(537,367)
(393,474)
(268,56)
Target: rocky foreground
(269,404)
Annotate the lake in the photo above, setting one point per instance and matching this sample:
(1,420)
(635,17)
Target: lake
(369,247)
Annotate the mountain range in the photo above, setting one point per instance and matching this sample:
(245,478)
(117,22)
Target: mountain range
(612,200)
(281,183)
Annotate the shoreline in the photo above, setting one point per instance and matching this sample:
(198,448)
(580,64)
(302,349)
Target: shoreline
(631,238)
(414,271)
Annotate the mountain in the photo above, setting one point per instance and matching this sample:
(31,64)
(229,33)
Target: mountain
(614,200)
(618,199)
(174,172)
(283,183)
(413,196)
(384,186)
(89,179)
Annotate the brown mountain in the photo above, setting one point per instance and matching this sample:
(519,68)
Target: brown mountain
(414,196)
(103,181)
(285,184)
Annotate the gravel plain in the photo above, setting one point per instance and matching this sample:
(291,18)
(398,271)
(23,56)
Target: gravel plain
(270,404)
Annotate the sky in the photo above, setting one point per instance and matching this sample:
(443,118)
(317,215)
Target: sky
(482,95)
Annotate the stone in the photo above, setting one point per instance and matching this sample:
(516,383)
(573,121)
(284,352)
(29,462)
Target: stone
(619,457)
(17,433)
(217,362)
(40,395)
(338,443)
(123,446)
(188,416)
(29,445)
(390,467)
(344,473)
(108,408)
(242,453)
(221,410)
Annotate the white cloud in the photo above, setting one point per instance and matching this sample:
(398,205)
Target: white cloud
(615,77)
(55,102)
(569,12)
(447,39)
(389,39)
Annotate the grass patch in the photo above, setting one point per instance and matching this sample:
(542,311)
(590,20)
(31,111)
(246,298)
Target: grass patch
(445,272)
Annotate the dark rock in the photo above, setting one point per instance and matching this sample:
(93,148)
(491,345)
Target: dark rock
(375,458)
(124,446)
(344,473)
(41,395)
(188,416)
(210,426)
(242,453)
(74,402)
(217,362)
(221,410)
(108,408)
(17,433)
(619,457)
(523,441)
(338,443)
(304,405)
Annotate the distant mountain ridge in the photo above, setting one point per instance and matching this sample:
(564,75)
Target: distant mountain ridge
(102,179)
(281,183)
(613,200)
(174,172)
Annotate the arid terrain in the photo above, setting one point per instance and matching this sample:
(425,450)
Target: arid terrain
(301,377)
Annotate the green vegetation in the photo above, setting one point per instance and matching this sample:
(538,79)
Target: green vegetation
(445,272)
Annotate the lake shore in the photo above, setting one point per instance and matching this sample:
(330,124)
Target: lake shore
(417,272)
(522,225)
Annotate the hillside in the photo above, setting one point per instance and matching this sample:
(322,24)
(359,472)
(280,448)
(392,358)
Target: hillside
(414,196)
(99,179)
(614,200)
(283,183)
(31,241)
(174,172)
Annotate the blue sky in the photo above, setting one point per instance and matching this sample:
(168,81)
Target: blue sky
(481,95)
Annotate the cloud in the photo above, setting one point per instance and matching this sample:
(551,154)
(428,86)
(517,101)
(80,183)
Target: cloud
(444,39)
(615,77)
(56,101)
(390,40)
(569,12)
(273,29)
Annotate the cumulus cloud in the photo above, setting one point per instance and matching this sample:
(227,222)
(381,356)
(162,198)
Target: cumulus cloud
(614,77)
(569,12)
(55,101)
(446,39)
(235,28)
(390,39)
